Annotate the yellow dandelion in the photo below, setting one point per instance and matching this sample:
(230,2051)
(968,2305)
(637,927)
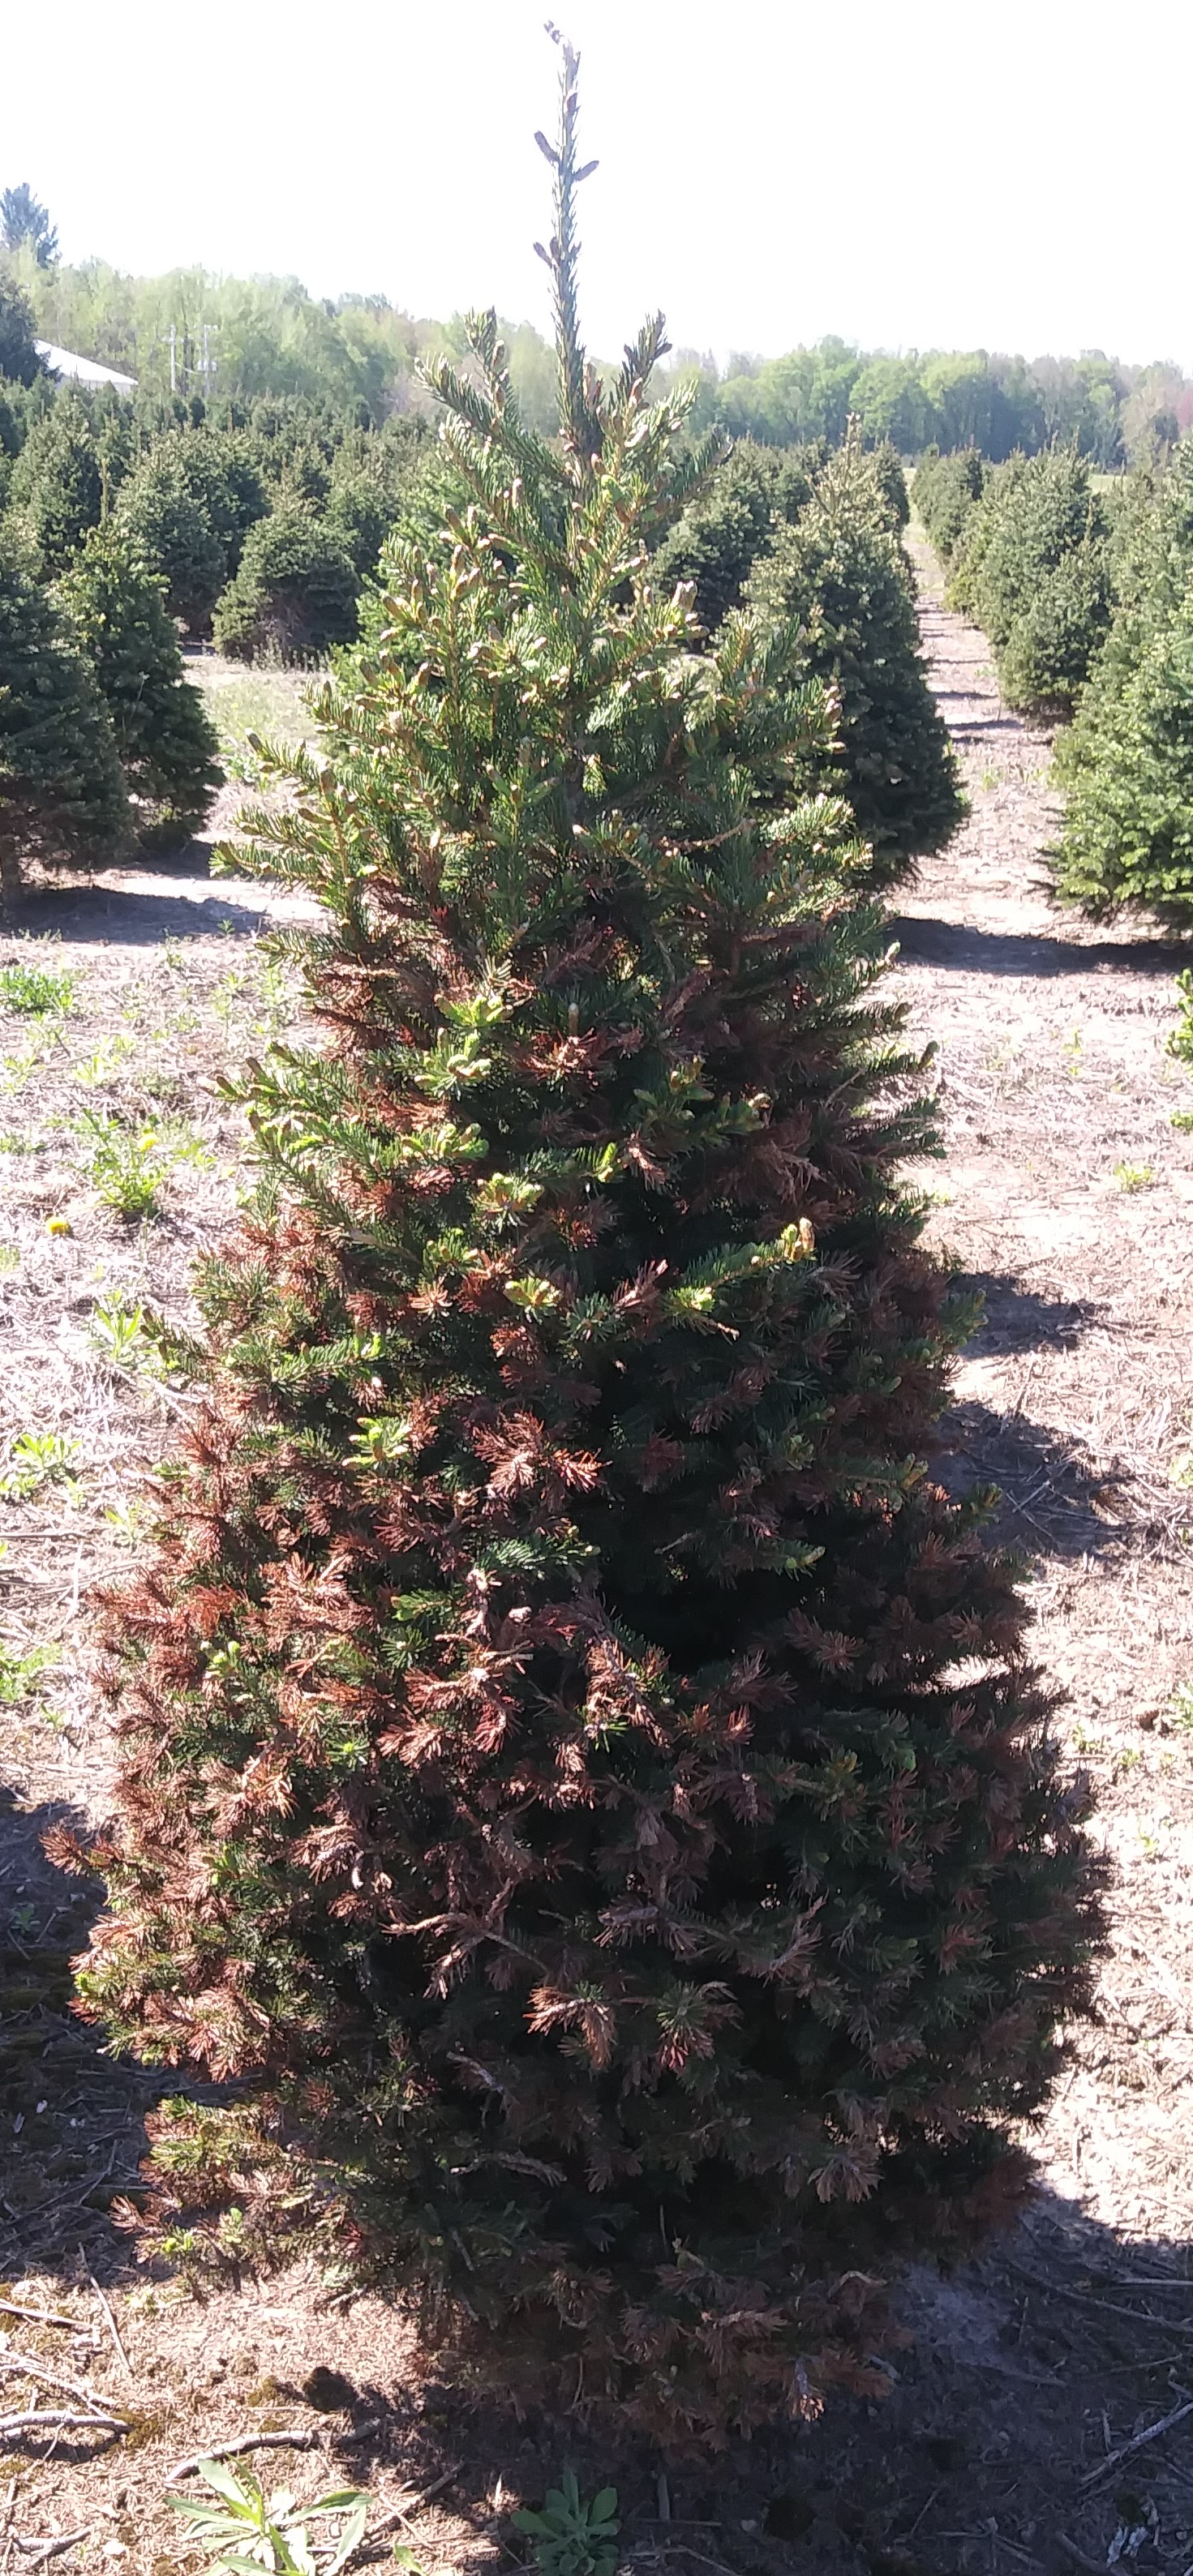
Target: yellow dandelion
(59,1225)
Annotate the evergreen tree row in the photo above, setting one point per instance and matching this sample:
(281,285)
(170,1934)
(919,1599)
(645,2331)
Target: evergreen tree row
(1090,612)
(579,1771)
(1027,544)
(1126,762)
(105,745)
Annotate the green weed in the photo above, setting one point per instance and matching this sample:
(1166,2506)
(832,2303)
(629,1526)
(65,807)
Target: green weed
(18,1673)
(10,1258)
(127,1165)
(1180,1708)
(1133,1176)
(35,1459)
(104,1065)
(125,1520)
(118,1330)
(248,2532)
(36,989)
(570,2537)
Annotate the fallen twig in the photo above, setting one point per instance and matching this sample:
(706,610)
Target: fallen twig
(299,2440)
(109,2319)
(60,2419)
(1138,2442)
(408,2506)
(39,2550)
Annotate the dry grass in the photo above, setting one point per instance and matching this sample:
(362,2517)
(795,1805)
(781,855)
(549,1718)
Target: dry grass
(1024,2372)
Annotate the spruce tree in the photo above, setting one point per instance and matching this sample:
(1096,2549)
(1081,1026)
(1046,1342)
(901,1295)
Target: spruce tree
(1033,567)
(56,488)
(171,526)
(1126,762)
(728,524)
(115,608)
(61,791)
(573,1756)
(841,572)
(295,593)
(945,491)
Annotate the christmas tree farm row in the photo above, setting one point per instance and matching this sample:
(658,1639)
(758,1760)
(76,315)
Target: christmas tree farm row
(1087,599)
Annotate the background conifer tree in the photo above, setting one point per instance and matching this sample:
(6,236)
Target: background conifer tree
(1126,762)
(295,593)
(56,488)
(61,791)
(165,738)
(572,1754)
(171,526)
(1032,564)
(19,360)
(840,571)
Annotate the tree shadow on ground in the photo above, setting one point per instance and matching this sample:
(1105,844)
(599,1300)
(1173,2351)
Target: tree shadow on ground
(168,895)
(1020,1319)
(1054,1500)
(1013,2378)
(925,941)
(71,2116)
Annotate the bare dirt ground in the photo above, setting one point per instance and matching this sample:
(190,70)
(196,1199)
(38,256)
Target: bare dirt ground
(1066,1194)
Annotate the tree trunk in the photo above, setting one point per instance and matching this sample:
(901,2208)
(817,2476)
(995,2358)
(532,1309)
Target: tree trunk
(12,884)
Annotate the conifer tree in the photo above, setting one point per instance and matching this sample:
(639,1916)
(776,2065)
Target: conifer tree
(171,526)
(1033,566)
(945,491)
(841,572)
(56,489)
(61,791)
(729,522)
(572,1754)
(115,608)
(1126,762)
(295,593)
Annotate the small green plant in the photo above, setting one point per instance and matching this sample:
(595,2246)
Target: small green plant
(127,1165)
(248,2531)
(18,1673)
(990,779)
(570,2537)
(1073,1049)
(10,1258)
(36,990)
(33,1460)
(118,1330)
(1180,1708)
(104,1065)
(126,1521)
(1134,1176)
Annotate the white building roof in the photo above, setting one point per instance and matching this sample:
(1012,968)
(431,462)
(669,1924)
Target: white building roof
(63,362)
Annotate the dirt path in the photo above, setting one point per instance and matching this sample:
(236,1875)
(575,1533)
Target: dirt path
(1067,1195)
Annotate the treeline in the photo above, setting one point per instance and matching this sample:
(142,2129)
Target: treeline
(242,338)
(1087,598)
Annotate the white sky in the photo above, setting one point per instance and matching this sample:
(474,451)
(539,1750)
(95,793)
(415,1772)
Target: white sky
(1014,176)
